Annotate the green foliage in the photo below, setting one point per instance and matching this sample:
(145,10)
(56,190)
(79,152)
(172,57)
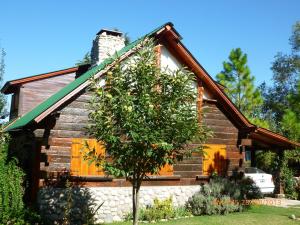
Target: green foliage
(266,160)
(295,38)
(271,163)
(2,96)
(11,190)
(239,86)
(288,181)
(145,116)
(291,117)
(161,209)
(222,196)
(286,75)
(297,189)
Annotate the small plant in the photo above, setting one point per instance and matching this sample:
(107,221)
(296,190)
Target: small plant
(12,208)
(160,210)
(182,212)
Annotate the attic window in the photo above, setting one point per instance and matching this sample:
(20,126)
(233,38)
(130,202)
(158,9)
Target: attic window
(14,108)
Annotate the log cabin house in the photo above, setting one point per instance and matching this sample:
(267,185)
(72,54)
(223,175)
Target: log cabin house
(49,114)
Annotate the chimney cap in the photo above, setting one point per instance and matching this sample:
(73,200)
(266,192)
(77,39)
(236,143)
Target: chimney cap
(110,32)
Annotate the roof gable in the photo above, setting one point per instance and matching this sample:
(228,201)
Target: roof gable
(167,34)
(46,107)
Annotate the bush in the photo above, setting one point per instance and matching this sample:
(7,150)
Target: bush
(298,188)
(288,181)
(222,196)
(11,190)
(12,209)
(161,209)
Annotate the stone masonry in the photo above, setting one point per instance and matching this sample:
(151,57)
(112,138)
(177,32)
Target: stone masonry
(116,201)
(106,43)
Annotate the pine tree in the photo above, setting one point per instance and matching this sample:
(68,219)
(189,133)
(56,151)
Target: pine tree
(239,86)
(291,117)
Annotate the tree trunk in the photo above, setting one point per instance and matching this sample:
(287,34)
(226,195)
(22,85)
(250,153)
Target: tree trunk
(135,201)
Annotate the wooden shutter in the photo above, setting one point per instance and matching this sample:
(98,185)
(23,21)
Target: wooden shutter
(214,159)
(79,166)
(167,170)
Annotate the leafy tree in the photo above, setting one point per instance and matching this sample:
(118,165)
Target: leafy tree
(145,117)
(286,74)
(239,86)
(11,190)
(291,117)
(3,112)
(295,38)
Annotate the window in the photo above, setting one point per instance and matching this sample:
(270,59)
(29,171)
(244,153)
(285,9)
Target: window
(14,108)
(247,155)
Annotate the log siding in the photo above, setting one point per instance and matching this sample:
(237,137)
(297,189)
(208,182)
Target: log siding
(72,118)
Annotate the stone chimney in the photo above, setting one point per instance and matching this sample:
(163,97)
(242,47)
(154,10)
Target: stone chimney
(106,43)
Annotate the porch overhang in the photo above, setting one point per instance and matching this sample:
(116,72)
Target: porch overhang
(266,139)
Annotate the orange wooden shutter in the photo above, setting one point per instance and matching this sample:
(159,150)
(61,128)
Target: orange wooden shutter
(167,170)
(79,166)
(214,159)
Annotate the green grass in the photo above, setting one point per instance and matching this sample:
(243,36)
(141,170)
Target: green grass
(256,215)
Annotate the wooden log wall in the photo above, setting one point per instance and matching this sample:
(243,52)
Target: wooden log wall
(72,120)
(224,132)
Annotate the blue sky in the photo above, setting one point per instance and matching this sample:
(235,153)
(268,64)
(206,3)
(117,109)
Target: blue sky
(43,36)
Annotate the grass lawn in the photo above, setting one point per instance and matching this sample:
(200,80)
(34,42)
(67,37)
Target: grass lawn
(256,215)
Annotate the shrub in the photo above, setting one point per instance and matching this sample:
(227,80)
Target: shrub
(298,188)
(12,210)
(161,209)
(11,190)
(288,181)
(222,196)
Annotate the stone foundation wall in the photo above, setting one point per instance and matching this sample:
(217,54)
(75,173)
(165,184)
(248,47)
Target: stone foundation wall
(116,201)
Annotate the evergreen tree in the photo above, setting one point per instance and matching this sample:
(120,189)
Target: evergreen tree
(291,118)
(286,75)
(239,86)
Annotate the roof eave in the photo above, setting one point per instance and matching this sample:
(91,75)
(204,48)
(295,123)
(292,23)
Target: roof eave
(11,85)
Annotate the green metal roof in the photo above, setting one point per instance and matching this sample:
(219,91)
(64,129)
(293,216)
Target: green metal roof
(39,109)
